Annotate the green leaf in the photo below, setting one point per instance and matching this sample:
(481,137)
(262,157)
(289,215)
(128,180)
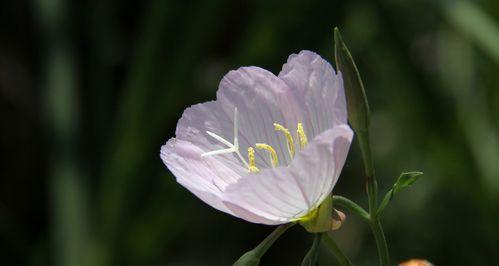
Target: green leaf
(252,257)
(358,108)
(312,255)
(405,180)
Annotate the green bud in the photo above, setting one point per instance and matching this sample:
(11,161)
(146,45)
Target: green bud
(358,108)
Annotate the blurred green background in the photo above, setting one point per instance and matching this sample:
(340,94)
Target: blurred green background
(90,90)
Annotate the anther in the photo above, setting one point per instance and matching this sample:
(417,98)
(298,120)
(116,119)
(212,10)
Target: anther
(273,154)
(291,144)
(301,136)
(251,158)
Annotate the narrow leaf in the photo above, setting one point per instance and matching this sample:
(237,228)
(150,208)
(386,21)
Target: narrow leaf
(252,257)
(404,181)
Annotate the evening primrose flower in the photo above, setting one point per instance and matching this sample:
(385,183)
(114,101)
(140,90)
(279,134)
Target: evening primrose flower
(270,148)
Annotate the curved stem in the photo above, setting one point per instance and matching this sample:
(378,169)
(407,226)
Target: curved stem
(333,247)
(351,206)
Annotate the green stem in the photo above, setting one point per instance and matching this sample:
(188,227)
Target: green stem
(352,207)
(358,117)
(371,183)
(380,239)
(333,247)
(372,195)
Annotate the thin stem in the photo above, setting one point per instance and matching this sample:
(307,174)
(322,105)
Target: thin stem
(372,195)
(371,183)
(380,239)
(333,247)
(352,207)
(358,117)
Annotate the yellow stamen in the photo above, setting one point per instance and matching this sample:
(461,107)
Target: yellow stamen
(251,158)
(291,143)
(273,154)
(302,136)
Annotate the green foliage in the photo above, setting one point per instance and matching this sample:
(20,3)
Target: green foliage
(404,181)
(250,258)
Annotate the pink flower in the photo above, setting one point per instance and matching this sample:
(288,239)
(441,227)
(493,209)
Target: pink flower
(270,149)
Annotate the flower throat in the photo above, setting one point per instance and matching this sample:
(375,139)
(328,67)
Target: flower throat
(250,164)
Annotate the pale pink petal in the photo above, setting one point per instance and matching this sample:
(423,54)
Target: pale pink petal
(279,195)
(307,91)
(209,116)
(205,177)
(262,99)
(314,81)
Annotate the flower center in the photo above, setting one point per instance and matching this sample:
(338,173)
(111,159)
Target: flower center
(250,164)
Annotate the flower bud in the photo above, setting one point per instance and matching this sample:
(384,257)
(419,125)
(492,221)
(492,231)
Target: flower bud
(358,108)
(337,220)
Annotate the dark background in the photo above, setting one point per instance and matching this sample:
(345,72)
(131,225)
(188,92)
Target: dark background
(90,90)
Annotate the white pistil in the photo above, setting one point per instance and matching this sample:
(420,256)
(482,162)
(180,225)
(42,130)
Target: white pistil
(232,147)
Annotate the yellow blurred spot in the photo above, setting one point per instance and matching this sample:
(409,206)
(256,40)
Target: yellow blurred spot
(416,262)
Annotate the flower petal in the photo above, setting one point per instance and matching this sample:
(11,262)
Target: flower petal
(262,99)
(282,194)
(210,116)
(314,80)
(205,177)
